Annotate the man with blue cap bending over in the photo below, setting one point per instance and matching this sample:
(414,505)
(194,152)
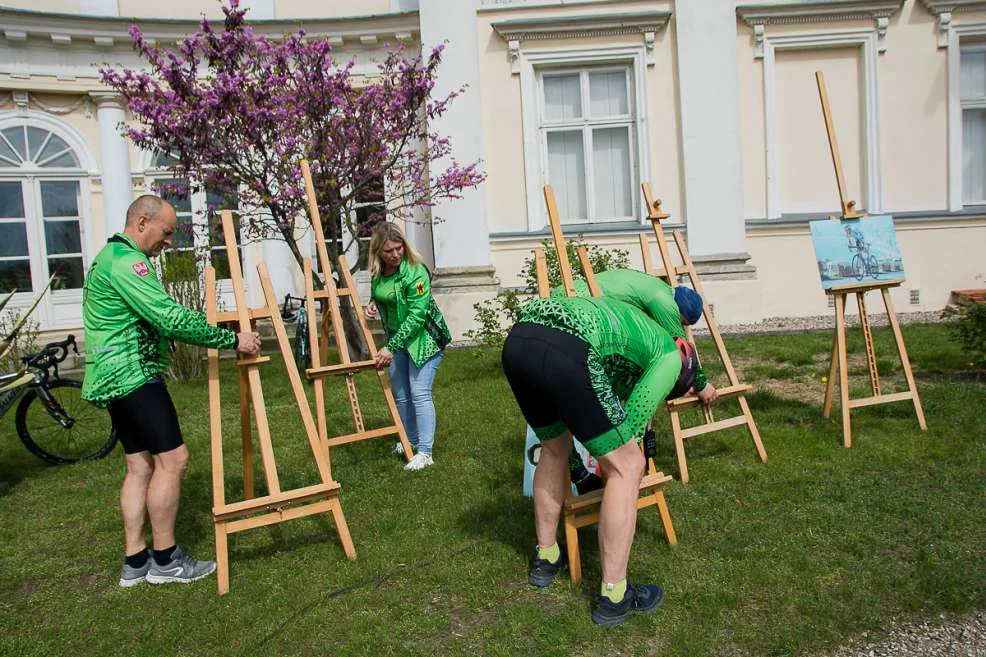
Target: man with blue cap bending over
(672,308)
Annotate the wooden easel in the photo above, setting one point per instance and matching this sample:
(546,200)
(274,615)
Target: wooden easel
(838,360)
(346,367)
(735,389)
(277,505)
(582,510)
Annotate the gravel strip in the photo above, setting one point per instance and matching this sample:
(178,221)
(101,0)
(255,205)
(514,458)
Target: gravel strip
(963,636)
(797,324)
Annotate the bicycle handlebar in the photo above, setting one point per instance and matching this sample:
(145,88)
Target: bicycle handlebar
(51,354)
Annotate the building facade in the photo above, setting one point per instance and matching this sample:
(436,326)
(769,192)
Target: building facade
(712,102)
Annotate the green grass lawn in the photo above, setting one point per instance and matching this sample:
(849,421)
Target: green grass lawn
(791,557)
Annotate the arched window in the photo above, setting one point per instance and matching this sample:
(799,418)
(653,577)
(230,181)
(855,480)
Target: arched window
(42,216)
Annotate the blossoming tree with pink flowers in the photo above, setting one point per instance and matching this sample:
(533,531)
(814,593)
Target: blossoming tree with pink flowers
(239,111)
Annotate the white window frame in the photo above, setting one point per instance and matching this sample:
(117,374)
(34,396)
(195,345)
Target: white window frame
(955,150)
(531,63)
(867,41)
(587,125)
(964,105)
(59,308)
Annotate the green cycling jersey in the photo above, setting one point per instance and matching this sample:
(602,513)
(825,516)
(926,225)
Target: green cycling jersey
(648,293)
(128,318)
(628,352)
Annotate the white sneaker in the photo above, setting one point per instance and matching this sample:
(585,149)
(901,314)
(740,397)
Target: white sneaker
(420,460)
(399,449)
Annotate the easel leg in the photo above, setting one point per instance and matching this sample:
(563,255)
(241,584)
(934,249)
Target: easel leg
(745,407)
(840,336)
(572,544)
(864,323)
(388,394)
(662,508)
(679,445)
(245,432)
(905,362)
(222,559)
(833,365)
(343,528)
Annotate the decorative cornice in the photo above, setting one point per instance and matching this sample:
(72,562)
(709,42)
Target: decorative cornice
(943,10)
(760,15)
(938,7)
(515,31)
(111,33)
(580,27)
(816,11)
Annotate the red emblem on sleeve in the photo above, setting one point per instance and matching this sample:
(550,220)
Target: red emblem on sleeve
(420,288)
(141,269)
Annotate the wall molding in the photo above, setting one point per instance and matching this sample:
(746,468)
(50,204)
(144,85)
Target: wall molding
(518,30)
(866,40)
(943,10)
(759,15)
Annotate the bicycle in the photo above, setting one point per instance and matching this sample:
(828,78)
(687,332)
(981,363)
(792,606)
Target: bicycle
(62,428)
(864,263)
(302,350)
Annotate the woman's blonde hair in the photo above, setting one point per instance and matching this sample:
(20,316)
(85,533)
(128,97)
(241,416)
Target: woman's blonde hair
(388,232)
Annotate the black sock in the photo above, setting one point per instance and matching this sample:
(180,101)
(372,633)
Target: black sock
(163,557)
(138,560)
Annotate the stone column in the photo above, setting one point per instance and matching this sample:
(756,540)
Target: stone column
(464,273)
(114,162)
(708,86)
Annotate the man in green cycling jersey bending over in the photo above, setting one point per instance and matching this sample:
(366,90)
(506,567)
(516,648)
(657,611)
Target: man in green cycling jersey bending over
(129,319)
(672,308)
(569,361)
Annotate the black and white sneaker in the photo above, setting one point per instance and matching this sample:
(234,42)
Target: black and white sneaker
(639,599)
(543,572)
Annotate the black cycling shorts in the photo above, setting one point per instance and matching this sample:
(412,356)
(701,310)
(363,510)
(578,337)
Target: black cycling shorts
(146,420)
(559,383)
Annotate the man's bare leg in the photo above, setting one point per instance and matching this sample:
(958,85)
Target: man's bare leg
(623,469)
(550,482)
(163,495)
(133,500)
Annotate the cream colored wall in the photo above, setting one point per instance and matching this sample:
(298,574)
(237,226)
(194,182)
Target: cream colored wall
(752,137)
(806,177)
(503,137)
(54,6)
(329,8)
(913,92)
(790,285)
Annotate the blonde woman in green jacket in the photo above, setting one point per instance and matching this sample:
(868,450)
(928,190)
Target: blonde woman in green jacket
(416,334)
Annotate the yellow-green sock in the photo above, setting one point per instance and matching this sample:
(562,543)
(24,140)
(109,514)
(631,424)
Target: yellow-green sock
(615,592)
(551,553)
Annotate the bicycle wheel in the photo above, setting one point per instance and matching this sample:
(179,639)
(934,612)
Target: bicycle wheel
(872,266)
(90,437)
(858,267)
(302,357)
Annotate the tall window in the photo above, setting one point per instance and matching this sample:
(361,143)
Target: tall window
(40,211)
(972,92)
(589,142)
(200,229)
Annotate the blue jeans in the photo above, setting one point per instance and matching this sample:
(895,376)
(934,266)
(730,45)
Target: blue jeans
(412,392)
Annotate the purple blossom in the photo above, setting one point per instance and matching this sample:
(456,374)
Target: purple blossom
(239,111)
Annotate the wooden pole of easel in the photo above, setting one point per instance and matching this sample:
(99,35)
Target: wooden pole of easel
(839,360)
(735,389)
(582,510)
(277,505)
(347,367)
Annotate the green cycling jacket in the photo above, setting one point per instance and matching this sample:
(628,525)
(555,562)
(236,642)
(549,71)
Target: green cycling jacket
(422,329)
(128,318)
(628,352)
(648,293)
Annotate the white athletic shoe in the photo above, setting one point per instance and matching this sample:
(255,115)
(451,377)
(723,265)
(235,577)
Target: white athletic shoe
(399,449)
(419,461)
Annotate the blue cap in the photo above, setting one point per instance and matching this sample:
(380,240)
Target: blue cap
(689,303)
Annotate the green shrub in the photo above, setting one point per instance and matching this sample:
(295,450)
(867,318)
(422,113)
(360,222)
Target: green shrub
(496,316)
(181,279)
(970,328)
(24,343)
